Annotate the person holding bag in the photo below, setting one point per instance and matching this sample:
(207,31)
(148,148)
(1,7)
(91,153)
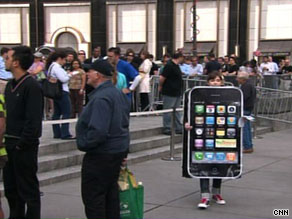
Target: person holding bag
(62,105)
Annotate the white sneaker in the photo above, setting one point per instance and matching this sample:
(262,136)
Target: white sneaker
(218,199)
(204,203)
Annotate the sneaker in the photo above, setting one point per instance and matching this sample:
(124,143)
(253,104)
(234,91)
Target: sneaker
(248,151)
(219,200)
(204,203)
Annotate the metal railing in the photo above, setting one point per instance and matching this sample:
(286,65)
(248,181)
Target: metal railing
(275,105)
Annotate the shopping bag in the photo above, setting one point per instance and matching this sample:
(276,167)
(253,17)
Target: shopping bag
(131,196)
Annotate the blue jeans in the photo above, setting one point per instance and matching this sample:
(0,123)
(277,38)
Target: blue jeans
(204,184)
(62,108)
(247,136)
(169,103)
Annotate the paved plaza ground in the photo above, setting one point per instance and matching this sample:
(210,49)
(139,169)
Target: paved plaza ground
(266,185)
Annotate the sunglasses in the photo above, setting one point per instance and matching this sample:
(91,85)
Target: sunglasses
(81,53)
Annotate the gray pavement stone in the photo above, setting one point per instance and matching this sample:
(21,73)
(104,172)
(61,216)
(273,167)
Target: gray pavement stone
(246,202)
(189,213)
(264,186)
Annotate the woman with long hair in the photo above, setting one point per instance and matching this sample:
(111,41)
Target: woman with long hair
(62,106)
(76,87)
(119,79)
(144,88)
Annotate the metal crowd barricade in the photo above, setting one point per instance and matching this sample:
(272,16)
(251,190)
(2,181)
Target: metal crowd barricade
(285,82)
(231,79)
(155,96)
(275,105)
(281,82)
(188,82)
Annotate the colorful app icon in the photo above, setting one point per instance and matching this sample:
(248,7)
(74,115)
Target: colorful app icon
(199,120)
(220,120)
(210,132)
(210,120)
(231,132)
(199,155)
(220,109)
(199,108)
(209,156)
(209,143)
(225,143)
(220,156)
(210,109)
(199,143)
(231,121)
(231,109)
(231,156)
(220,132)
(199,131)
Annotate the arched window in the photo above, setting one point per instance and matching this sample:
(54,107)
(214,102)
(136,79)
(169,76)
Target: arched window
(67,40)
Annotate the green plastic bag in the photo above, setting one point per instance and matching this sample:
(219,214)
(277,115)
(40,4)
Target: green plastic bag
(131,196)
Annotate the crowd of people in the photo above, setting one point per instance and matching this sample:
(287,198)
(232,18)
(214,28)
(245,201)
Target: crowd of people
(229,65)
(102,130)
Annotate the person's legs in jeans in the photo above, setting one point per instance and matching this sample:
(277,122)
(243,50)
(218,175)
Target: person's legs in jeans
(168,103)
(57,116)
(247,136)
(66,112)
(205,191)
(216,188)
(178,116)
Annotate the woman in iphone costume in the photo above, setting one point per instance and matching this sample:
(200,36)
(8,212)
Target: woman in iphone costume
(216,148)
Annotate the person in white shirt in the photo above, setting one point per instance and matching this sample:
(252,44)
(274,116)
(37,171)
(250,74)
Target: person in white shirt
(5,75)
(62,106)
(196,68)
(266,67)
(144,71)
(274,66)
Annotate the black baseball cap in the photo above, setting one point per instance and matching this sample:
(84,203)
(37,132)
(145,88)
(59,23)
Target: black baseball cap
(103,67)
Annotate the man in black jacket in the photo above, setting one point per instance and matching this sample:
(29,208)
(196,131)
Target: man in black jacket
(249,98)
(102,131)
(24,105)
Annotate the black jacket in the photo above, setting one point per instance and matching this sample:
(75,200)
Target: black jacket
(249,95)
(103,126)
(24,105)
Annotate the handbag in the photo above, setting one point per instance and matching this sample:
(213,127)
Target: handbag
(131,196)
(52,87)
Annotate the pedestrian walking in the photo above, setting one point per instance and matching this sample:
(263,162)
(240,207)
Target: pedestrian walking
(103,133)
(24,105)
